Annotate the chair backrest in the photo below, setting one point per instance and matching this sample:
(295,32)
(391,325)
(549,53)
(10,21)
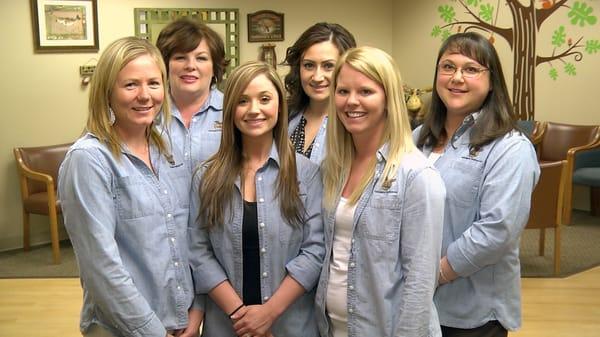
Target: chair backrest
(546,200)
(44,159)
(559,138)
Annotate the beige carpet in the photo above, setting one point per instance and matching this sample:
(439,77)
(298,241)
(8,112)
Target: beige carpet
(580,251)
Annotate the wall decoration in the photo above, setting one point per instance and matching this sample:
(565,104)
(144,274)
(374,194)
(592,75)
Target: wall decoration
(225,21)
(267,54)
(265,26)
(65,25)
(528,18)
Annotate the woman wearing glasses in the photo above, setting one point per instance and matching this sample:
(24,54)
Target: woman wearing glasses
(490,170)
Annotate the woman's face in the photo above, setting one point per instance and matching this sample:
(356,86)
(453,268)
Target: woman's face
(462,95)
(191,73)
(316,66)
(137,94)
(257,109)
(360,103)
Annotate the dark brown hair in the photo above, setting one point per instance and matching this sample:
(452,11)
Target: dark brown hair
(497,117)
(319,32)
(184,35)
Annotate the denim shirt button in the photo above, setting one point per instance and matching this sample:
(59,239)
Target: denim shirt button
(351,287)
(262,225)
(165,192)
(186,154)
(350,310)
(172,239)
(352,264)
(265,274)
(261,200)
(263,250)
(169,215)
(176,263)
(266,298)
(260,178)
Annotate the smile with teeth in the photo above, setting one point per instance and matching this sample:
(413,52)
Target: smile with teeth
(143,108)
(355,114)
(255,121)
(188,78)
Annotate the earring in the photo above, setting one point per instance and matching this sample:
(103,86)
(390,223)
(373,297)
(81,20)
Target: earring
(111,116)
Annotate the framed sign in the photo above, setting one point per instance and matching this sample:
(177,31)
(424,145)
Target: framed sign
(65,25)
(265,26)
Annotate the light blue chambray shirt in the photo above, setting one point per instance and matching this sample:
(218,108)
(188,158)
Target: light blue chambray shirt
(318,151)
(216,254)
(128,228)
(394,254)
(487,207)
(201,140)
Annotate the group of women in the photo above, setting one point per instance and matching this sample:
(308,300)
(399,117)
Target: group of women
(188,206)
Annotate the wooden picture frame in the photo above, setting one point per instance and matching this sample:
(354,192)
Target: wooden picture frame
(265,26)
(64,26)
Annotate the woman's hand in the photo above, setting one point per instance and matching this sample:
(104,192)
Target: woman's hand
(254,320)
(195,317)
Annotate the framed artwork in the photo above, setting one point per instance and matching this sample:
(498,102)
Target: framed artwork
(65,25)
(267,54)
(265,26)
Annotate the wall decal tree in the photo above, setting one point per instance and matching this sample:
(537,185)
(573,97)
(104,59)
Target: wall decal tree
(522,37)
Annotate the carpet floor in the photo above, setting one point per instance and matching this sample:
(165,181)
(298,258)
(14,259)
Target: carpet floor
(580,250)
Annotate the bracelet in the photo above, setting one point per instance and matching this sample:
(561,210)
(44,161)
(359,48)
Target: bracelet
(236,310)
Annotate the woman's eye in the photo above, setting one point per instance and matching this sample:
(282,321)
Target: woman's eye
(155,85)
(130,85)
(265,99)
(329,66)
(448,66)
(308,66)
(341,91)
(366,92)
(471,70)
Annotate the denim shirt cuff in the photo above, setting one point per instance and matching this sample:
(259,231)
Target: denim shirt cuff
(199,302)
(305,275)
(204,282)
(154,328)
(459,262)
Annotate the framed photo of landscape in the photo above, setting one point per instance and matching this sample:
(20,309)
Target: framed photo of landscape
(65,25)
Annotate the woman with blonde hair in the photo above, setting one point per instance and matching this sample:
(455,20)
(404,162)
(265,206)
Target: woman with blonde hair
(256,232)
(124,195)
(383,209)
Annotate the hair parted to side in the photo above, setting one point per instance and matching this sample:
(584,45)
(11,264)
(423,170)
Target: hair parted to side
(317,33)
(114,58)
(497,116)
(381,68)
(221,170)
(184,35)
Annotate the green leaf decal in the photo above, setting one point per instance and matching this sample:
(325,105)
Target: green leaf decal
(446,34)
(447,13)
(553,73)
(570,69)
(592,46)
(436,31)
(487,12)
(473,2)
(581,14)
(559,37)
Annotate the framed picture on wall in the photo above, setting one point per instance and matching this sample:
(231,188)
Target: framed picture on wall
(64,26)
(265,26)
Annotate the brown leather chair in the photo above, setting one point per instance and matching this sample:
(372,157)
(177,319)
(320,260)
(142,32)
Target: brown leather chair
(547,205)
(563,142)
(38,172)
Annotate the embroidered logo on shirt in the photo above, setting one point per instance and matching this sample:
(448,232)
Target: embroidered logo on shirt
(218,125)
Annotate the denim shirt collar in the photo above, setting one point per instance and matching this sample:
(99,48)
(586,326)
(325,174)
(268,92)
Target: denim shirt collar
(467,123)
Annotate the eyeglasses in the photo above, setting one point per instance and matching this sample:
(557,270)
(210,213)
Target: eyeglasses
(469,71)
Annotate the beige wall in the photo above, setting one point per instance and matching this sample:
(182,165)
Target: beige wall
(45,104)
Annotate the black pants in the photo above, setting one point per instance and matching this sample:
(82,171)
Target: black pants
(490,329)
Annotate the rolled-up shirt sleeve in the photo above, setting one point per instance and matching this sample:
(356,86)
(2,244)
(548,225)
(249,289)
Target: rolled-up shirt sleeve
(510,175)
(85,190)
(306,267)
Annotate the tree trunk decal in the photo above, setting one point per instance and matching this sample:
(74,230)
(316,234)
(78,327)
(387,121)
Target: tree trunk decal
(522,39)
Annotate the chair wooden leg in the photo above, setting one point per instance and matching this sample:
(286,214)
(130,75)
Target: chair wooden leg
(54,237)
(542,241)
(557,250)
(26,242)
(595,201)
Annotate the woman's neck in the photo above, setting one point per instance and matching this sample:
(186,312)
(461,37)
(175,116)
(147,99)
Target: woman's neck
(189,103)
(316,109)
(256,151)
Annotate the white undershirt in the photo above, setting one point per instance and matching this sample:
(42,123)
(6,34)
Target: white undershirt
(337,306)
(434,156)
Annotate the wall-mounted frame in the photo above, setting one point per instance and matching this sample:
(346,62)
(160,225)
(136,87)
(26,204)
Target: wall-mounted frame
(267,54)
(265,26)
(64,26)
(225,21)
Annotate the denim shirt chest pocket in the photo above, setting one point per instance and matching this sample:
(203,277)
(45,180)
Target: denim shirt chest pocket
(211,138)
(463,184)
(381,219)
(133,197)
(180,182)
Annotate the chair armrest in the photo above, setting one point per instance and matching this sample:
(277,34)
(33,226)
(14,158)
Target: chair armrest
(538,133)
(35,175)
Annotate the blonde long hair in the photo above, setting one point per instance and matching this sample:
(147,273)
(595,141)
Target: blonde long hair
(381,68)
(116,56)
(217,185)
